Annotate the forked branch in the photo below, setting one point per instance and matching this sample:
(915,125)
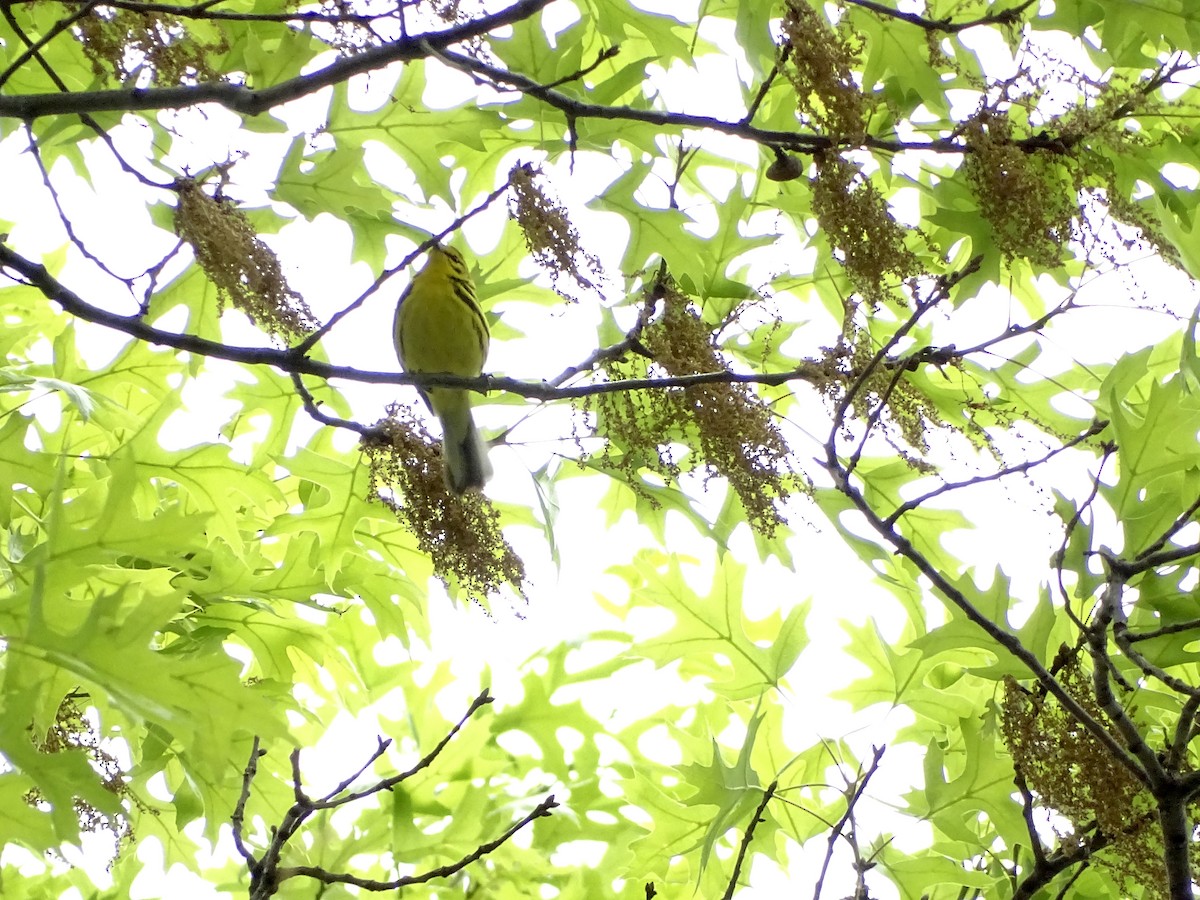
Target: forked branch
(267,872)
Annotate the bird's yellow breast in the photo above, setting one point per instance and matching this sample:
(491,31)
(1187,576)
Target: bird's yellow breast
(439,326)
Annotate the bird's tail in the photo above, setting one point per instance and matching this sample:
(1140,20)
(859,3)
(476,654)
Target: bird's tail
(463,450)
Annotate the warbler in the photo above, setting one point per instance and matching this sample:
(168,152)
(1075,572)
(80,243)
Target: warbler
(439,327)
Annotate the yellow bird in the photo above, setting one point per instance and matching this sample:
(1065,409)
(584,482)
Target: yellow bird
(439,327)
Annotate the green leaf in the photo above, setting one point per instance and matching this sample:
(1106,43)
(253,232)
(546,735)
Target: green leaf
(708,629)
(417,135)
(734,790)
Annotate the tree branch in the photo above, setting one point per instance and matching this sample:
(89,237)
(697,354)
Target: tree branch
(205,11)
(294,362)
(1150,771)
(1177,842)
(1123,638)
(266,874)
(1162,558)
(1010,642)
(1045,871)
(1173,628)
(1009,16)
(574,108)
(387,784)
(1185,729)
(251,102)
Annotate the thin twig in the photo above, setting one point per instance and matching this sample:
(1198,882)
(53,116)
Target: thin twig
(1096,427)
(541,810)
(941,291)
(310,407)
(940,356)
(1027,805)
(152,274)
(747,838)
(1175,628)
(630,343)
(237,820)
(310,341)
(297,787)
(78,243)
(1066,888)
(943,285)
(387,784)
(380,749)
(835,831)
(33,49)
(602,57)
(784,52)
(1122,637)
(65,92)
(873,418)
(1060,555)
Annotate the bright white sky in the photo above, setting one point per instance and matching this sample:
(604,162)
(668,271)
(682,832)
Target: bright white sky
(1011,517)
